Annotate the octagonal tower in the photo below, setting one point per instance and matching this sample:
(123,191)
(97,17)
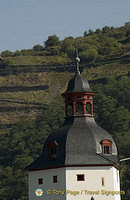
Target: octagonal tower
(80,159)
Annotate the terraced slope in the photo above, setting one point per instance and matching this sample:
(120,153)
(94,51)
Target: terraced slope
(27,90)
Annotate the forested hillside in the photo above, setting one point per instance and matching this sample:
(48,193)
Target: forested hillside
(31,81)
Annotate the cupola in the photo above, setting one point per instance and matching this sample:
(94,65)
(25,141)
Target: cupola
(79,141)
(78,96)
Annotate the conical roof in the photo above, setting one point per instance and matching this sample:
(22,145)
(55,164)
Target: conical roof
(78,84)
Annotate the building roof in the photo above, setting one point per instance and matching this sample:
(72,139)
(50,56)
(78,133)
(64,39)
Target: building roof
(79,143)
(78,84)
(78,140)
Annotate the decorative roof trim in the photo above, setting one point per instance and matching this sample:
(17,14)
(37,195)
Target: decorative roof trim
(118,166)
(79,93)
(106,142)
(80,116)
(52,144)
(63,166)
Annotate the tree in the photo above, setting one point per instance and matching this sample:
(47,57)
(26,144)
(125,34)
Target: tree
(85,33)
(6,53)
(108,46)
(89,55)
(6,62)
(106,29)
(38,47)
(52,41)
(127,27)
(68,46)
(98,31)
(90,32)
(17,53)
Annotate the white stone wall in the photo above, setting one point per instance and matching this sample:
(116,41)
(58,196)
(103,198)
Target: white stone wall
(68,188)
(92,183)
(48,184)
(116,179)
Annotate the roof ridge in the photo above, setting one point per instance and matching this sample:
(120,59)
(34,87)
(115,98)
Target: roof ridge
(104,158)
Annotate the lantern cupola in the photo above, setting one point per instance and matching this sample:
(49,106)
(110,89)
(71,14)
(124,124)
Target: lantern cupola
(78,96)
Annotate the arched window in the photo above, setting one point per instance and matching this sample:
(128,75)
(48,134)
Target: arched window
(106,146)
(88,108)
(52,146)
(70,109)
(79,108)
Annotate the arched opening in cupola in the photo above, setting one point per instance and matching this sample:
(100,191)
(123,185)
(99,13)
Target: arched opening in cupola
(88,108)
(70,109)
(79,108)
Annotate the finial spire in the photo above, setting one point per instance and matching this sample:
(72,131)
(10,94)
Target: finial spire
(77,60)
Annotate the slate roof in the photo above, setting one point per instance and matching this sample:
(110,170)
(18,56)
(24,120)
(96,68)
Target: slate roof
(78,144)
(78,84)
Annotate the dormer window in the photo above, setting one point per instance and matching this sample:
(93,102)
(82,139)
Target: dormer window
(70,109)
(79,108)
(88,108)
(52,146)
(53,153)
(106,146)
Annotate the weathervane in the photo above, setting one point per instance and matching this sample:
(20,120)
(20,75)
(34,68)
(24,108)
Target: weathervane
(77,60)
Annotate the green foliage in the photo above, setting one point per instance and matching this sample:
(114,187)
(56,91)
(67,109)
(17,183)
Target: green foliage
(6,53)
(125,181)
(85,33)
(108,46)
(90,32)
(98,31)
(38,47)
(96,46)
(52,40)
(22,147)
(112,101)
(17,53)
(26,52)
(127,27)
(13,184)
(111,107)
(6,62)
(53,117)
(106,30)
(89,55)
(68,46)
(52,51)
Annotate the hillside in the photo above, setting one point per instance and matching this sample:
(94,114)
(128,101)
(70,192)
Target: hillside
(31,82)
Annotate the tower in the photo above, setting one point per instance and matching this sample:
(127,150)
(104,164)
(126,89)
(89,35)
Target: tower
(79,160)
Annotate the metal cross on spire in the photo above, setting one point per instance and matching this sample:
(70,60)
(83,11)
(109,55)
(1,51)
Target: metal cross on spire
(77,60)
